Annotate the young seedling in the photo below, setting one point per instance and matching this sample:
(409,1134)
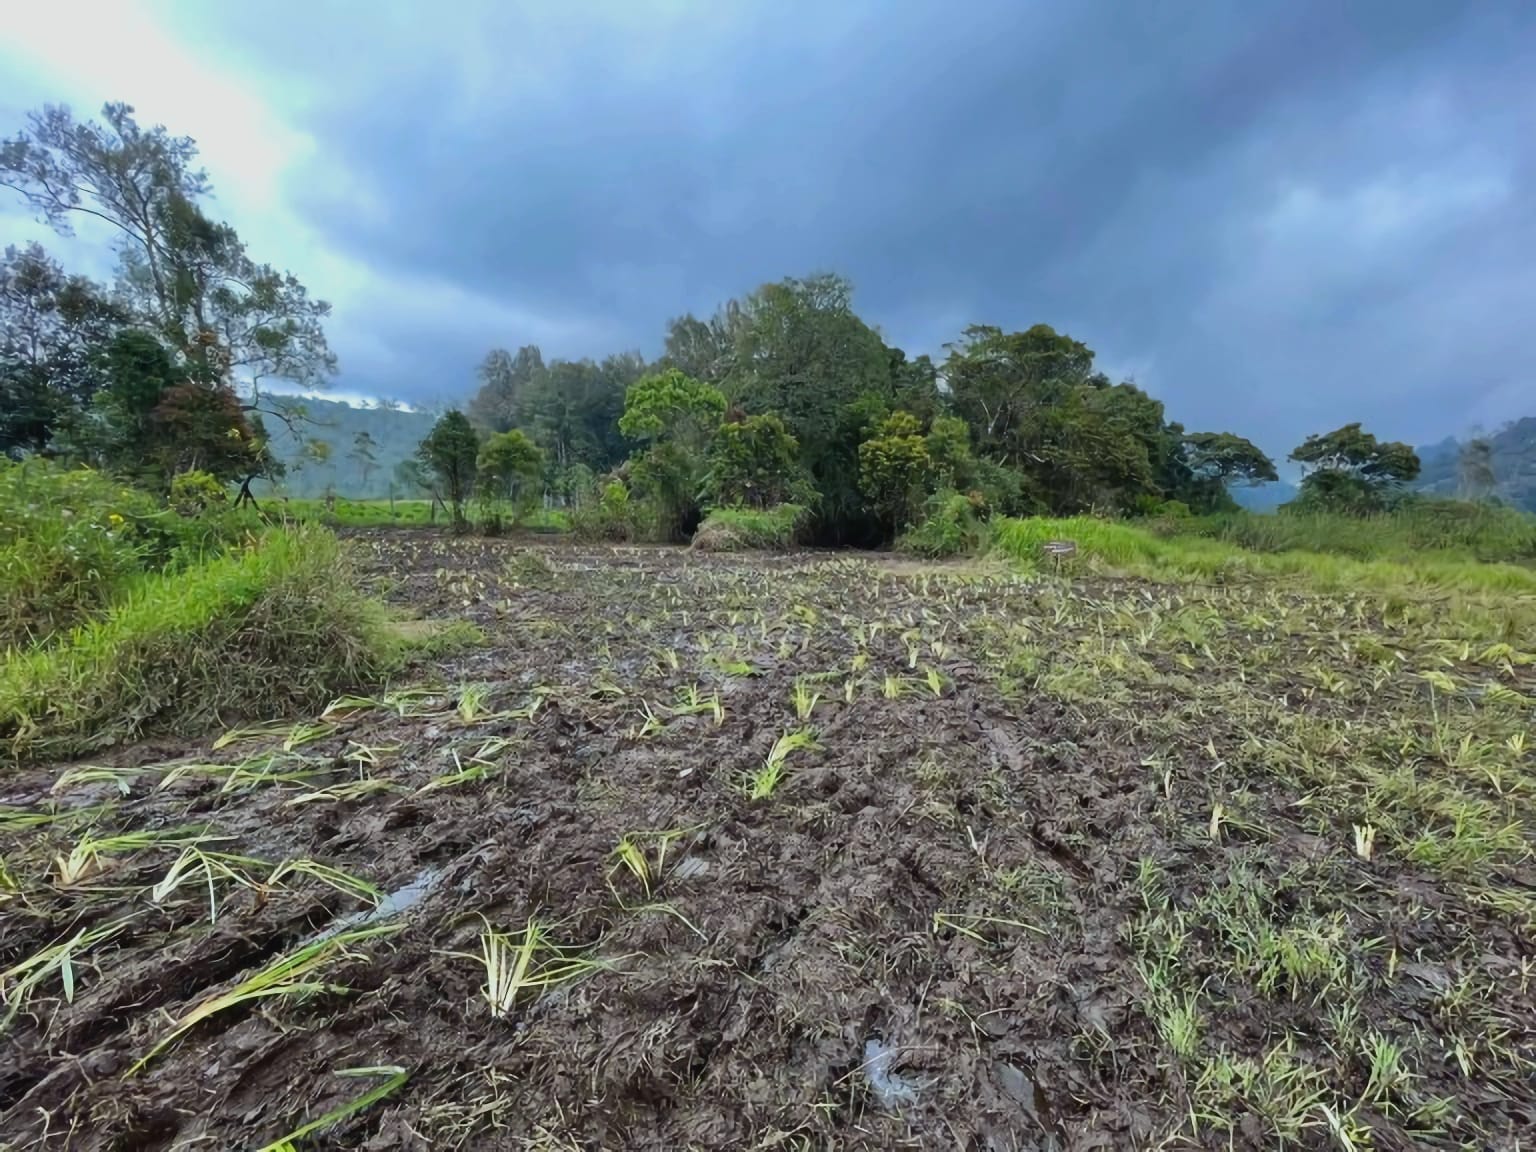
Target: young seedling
(629,854)
(396,1077)
(195,865)
(120,778)
(529,962)
(287,977)
(804,699)
(93,855)
(343,882)
(18,982)
(764,781)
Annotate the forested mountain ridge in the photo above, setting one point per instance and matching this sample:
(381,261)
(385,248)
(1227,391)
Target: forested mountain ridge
(321,447)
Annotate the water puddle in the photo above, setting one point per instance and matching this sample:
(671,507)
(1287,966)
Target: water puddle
(890,1089)
(393,904)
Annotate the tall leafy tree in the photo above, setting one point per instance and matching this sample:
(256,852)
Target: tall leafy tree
(1226,458)
(675,417)
(754,462)
(1349,469)
(230,317)
(450,454)
(802,352)
(509,466)
(895,470)
(505,382)
(1004,383)
(54,330)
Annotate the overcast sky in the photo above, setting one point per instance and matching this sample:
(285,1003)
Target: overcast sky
(1277,215)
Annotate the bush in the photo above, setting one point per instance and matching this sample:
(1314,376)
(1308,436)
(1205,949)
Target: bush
(951,526)
(270,629)
(194,493)
(751,529)
(612,517)
(73,542)
(70,542)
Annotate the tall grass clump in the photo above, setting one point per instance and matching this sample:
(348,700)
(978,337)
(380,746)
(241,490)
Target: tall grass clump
(269,629)
(775,529)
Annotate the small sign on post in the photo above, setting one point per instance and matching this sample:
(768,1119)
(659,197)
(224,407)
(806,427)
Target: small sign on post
(1058,550)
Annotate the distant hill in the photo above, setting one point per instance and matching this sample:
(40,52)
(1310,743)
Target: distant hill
(395,433)
(1514,465)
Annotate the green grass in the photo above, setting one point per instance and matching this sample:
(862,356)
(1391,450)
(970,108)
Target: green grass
(751,529)
(1451,528)
(75,542)
(384,514)
(267,630)
(1135,550)
(354,513)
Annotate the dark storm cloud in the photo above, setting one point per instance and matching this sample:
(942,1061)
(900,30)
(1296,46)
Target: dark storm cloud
(1278,215)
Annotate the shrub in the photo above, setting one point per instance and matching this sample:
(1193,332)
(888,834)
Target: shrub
(194,493)
(951,526)
(611,517)
(273,628)
(751,529)
(70,542)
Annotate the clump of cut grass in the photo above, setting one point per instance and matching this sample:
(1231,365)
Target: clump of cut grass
(287,977)
(275,628)
(751,529)
(396,1076)
(527,963)
(18,982)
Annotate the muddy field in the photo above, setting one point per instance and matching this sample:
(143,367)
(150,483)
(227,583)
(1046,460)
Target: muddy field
(804,852)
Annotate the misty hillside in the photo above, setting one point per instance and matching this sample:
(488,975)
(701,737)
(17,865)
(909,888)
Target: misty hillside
(1514,464)
(336,424)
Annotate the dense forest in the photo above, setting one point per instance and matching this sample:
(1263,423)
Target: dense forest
(186,364)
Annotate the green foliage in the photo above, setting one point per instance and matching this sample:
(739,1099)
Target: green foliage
(669,405)
(1414,528)
(951,526)
(739,529)
(1352,471)
(676,417)
(1226,459)
(754,462)
(1132,549)
(510,465)
(268,630)
(611,517)
(196,494)
(450,455)
(895,468)
(667,478)
(797,348)
(70,543)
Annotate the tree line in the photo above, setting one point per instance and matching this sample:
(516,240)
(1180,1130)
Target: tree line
(787,396)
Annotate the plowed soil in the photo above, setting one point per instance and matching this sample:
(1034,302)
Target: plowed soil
(925,937)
